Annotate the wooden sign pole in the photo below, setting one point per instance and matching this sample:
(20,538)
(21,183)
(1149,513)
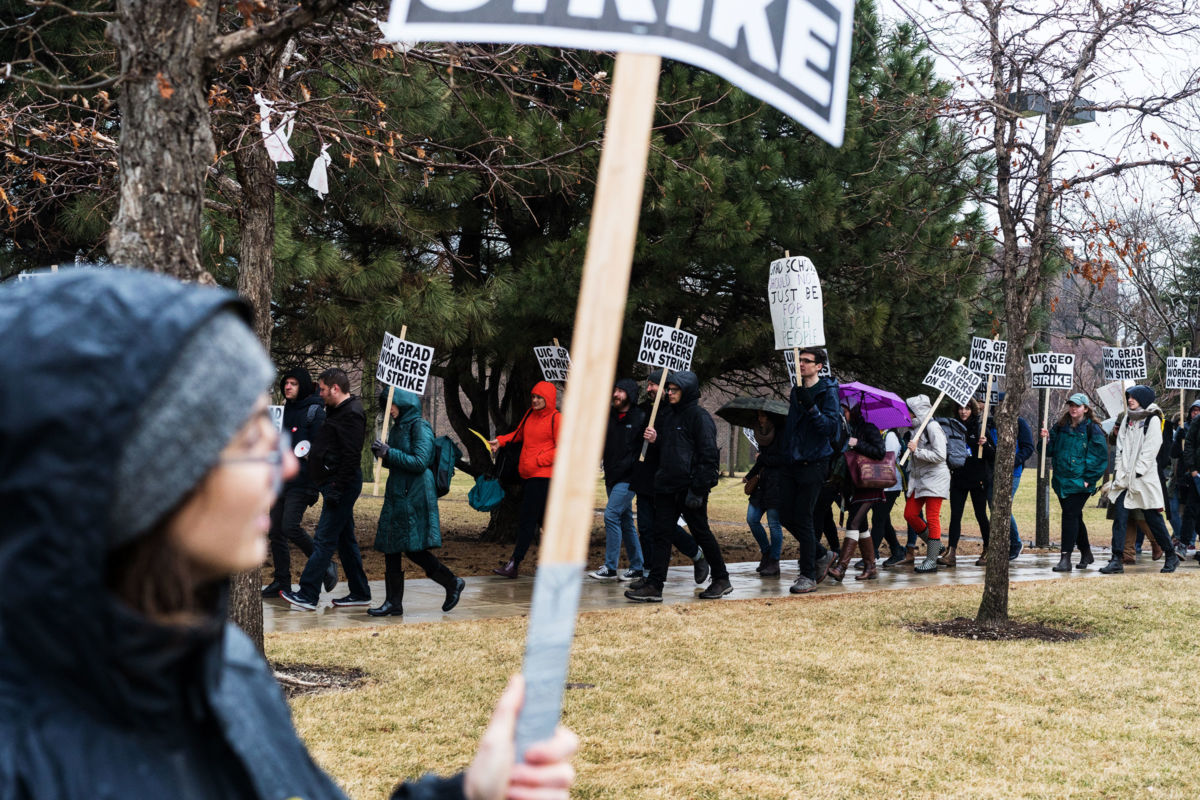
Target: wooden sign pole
(1182,416)
(925,422)
(662,389)
(599,316)
(387,417)
(1045,423)
(987,406)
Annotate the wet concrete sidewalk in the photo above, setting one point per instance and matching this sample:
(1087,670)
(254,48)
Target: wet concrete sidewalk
(493,596)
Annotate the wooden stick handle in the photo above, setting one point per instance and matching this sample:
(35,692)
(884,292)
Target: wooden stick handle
(987,406)
(387,416)
(662,389)
(600,312)
(1045,423)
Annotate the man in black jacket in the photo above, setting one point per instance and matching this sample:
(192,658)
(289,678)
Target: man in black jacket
(642,482)
(687,470)
(333,465)
(303,414)
(622,445)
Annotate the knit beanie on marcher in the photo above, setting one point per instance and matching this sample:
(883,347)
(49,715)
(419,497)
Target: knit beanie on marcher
(194,410)
(1143,394)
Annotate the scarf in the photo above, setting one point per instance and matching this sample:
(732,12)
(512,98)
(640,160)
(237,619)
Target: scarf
(764,435)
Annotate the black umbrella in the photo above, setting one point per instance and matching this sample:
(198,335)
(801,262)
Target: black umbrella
(743,411)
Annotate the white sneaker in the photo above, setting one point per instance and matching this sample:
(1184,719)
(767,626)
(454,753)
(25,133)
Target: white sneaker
(604,574)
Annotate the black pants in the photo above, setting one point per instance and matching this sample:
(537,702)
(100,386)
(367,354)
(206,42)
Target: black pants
(1074,532)
(800,487)
(681,540)
(1189,509)
(958,504)
(534,493)
(286,516)
(881,522)
(667,509)
(434,570)
(823,521)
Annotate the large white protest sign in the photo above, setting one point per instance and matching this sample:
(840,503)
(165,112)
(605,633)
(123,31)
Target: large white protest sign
(666,348)
(276,416)
(555,363)
(1052,370)
(1183,373)
(794,295)
(403,364)
(990,397)
(954,378)
(789,358)
(1112,395)
(1125,363)
(794,54)
(988,356)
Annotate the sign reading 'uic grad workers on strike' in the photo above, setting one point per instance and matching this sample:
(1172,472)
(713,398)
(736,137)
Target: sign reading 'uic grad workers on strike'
(794,54)
(957,380)
(794,295)
(404,364)
(988,356)
(1183,373)
(555,363)
(1125,363)
(1052,370)
(666,348)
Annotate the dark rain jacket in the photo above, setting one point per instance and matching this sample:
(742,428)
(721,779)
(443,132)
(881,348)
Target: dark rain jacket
(623,442)
(302,418)
(975,471)
(333,462)
(768,466)
(409,520)
(641,477)
(811,425)
(687,440)
(97,701)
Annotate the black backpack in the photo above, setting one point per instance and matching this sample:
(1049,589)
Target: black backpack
(957,449)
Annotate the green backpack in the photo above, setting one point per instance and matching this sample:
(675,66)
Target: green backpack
(445,455)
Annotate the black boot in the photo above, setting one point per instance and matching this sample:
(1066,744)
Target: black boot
(1064,563)
(393,603)
(1114,566)
(1085,556)
(452,584)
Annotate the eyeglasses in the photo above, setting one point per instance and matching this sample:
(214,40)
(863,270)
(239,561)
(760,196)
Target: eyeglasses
(273,459)
(673,390)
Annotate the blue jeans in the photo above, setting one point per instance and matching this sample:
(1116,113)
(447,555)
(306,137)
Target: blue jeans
(335,531)
(618,527)
(1014,535)
(773,547)
(1154,520)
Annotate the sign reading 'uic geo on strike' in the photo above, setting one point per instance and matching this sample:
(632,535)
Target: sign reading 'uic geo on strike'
(1052,370)
(404,364)
(794,54)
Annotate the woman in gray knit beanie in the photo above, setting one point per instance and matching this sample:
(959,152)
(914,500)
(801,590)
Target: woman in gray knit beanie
(137,470)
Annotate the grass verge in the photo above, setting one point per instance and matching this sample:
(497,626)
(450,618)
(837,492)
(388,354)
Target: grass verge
(799,698)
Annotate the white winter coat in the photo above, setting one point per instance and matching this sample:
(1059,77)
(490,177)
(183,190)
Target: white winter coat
(928,474)
(1135,467)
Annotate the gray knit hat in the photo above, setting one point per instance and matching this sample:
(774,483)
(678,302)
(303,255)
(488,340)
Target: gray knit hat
(186,421)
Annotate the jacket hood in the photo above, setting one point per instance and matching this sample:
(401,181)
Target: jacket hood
(98,342)
(547,392)
(919,406)
(630,387)
(1143,394)
(689,386)
(408,403)
(307,387)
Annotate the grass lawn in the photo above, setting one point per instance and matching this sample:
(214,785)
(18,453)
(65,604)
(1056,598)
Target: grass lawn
(800,697)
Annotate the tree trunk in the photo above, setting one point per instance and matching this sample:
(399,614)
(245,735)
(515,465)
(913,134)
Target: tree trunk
(166,141)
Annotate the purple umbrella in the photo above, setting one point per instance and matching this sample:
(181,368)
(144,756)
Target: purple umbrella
(881,408)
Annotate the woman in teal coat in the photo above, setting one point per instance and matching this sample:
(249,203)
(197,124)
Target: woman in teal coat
(1079,455)
(408,524)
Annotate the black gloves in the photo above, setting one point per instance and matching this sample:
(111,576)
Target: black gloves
(379,448)
(695,500)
